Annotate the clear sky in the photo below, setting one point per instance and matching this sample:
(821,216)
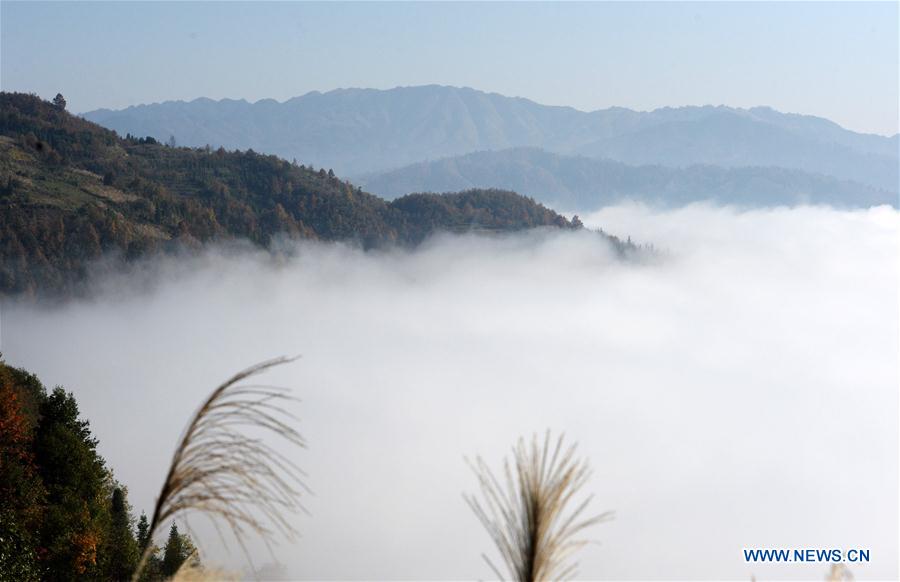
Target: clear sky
(836,60)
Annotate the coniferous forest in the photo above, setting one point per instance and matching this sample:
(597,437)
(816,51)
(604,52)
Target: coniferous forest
(63,515)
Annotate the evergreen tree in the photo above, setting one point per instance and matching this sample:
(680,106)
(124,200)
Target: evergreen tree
(77,484)
(152,570)
(177,550)
(59,101)
(143,532)
(121,548)
(173,552)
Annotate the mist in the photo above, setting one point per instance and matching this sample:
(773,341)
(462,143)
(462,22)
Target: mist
(739,390)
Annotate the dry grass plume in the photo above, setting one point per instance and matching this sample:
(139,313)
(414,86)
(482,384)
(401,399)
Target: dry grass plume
(220,471)
(529,515)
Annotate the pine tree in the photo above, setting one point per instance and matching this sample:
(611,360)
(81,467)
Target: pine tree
(76,481)
(152,570)
(59,101)
(122,549)
(143,532)
(173,553)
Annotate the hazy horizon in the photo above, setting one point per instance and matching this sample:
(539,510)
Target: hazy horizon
(641,56)
(360,88)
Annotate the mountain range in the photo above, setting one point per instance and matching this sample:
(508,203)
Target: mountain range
(582,184)
(359,132)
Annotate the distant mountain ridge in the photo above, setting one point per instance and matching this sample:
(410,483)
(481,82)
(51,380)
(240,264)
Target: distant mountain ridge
(361,131)
(581,184)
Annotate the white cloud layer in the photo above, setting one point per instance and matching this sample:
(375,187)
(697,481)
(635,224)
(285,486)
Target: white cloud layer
(743,392)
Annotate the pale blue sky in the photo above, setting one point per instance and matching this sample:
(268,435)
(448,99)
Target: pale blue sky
(837,60)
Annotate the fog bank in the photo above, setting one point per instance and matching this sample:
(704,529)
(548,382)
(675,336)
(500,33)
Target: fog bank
(741,392)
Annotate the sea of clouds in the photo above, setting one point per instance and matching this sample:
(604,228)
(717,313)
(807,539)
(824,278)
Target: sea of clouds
(738,390)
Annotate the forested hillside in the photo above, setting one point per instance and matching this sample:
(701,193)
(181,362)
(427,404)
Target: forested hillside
(71,191)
